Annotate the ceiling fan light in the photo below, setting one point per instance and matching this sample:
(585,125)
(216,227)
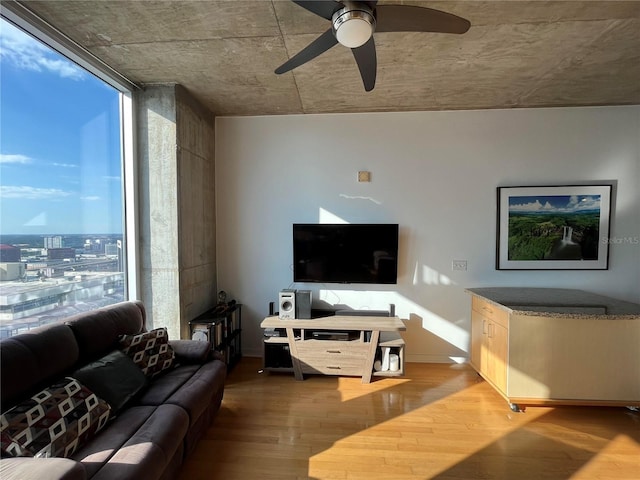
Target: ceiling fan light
(353,28)
(354,33)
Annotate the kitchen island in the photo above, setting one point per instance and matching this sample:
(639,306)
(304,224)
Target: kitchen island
(549,346)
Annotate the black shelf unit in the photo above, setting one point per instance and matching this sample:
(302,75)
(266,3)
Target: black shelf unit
(223,329)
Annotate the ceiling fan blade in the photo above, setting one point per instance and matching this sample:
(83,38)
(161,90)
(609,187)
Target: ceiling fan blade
(405,18)
(322,8)
(367,63)
(320,45)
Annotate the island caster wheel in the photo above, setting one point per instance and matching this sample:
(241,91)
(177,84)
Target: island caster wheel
(516,408)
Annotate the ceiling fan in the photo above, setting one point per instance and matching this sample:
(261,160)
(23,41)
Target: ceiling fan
(353,25)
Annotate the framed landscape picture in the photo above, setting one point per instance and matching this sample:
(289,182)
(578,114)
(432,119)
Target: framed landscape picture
(553,227)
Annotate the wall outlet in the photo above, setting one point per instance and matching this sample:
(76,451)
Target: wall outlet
(459,265)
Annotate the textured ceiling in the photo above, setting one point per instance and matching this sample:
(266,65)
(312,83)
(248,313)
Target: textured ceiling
(516,54)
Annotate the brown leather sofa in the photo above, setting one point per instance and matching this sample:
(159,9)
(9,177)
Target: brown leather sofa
(148,432)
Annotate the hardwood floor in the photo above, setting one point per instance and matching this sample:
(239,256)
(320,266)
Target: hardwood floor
(440,421)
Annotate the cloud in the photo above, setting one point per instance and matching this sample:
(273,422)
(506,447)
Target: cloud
(9,158)
(32,193)
(531,207)
(588,203)
(65,165)
(24,52)
(90,198)
(574,204)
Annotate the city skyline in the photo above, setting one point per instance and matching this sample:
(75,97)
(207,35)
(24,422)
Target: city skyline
(33,240)
(60,167)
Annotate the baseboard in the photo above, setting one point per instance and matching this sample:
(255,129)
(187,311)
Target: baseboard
(422,358)
(252,353)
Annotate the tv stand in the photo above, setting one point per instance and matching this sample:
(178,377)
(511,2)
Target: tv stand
(334,345)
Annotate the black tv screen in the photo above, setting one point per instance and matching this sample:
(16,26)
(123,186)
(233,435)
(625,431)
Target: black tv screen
(345,253)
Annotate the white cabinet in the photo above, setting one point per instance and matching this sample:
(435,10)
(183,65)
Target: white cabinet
(490,342)
(538,357)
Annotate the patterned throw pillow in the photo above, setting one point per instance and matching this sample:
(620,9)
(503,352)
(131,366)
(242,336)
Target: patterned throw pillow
(53,423)
(149,350)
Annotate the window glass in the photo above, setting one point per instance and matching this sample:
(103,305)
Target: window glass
(62,246)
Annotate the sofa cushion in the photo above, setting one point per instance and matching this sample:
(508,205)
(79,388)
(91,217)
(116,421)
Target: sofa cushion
(149,449)
(98,331)
(38,468)
(191,351)
(54,422)
(114,378)
(119,430)
(198,392)
(149,350)
(166,385)
(33,360)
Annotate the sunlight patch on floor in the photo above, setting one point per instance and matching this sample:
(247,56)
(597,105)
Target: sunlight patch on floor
(433,437)
(600,465)
(352,387)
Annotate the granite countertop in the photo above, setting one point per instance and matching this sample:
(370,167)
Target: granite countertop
(557,302)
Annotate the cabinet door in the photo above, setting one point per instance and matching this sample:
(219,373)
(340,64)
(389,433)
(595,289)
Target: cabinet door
(478,325)
(496,355)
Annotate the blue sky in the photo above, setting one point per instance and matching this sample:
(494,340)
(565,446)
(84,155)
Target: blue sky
(60,166)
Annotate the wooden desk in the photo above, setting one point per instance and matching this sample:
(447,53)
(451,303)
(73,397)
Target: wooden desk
(335,345)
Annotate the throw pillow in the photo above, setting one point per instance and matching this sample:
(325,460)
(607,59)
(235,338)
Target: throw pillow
(53,423)
(149,350)
(114,378)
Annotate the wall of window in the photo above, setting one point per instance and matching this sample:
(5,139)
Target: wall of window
(67,177)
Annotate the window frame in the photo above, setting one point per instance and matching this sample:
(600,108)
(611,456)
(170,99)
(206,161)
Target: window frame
(32,24)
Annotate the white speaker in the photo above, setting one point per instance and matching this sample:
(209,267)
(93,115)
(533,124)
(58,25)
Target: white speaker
(287,304)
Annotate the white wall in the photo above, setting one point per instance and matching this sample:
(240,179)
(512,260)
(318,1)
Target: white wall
(435,174)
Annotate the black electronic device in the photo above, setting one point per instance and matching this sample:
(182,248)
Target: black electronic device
(345,253)
(303,304)
(332,335)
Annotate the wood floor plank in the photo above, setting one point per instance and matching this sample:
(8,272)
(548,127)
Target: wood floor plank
(439,421)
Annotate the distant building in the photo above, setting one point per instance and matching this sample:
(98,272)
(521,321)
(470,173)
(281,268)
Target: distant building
(93,246)
(53,242)
(61,253)
(11,271)
(42,285)
(9,254)
(25,305)
(111,249)
(11,268)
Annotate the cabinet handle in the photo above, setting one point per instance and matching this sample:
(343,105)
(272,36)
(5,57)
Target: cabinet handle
(333,368)
(490,330)
(487,309)
(334,351)
(484,327)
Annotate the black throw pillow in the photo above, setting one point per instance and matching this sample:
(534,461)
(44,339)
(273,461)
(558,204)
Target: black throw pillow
(114,378)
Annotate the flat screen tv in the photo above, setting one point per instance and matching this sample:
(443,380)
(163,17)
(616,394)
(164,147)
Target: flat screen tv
(345,253)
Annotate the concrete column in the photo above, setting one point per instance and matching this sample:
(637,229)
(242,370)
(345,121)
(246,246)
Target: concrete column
(176,186)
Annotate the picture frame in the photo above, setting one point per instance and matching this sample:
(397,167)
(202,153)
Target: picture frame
(558,227)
